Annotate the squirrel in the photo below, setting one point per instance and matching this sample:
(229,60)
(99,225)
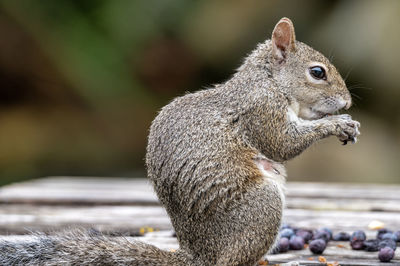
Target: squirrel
(216,160)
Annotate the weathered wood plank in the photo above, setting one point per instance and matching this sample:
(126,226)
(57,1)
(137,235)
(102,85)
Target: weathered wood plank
(122,206)
(17,218)
(125,191)
(343,190)
(339,220)
(90,191)
(308,212)
(373,205)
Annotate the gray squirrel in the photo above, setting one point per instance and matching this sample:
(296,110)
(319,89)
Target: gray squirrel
(215,158)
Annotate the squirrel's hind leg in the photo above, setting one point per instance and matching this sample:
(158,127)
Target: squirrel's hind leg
(249,236)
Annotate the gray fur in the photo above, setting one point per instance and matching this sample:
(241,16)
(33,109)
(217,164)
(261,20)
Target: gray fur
(81,248)
(203,158)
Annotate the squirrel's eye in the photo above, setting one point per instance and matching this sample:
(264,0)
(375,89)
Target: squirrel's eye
(318,72)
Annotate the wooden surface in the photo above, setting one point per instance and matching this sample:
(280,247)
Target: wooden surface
(121,206)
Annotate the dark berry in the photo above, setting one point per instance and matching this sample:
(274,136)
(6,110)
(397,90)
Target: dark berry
(341,236)
(382,232)
(320,234)
(317,246)
(305,234)
(386,254)
(284,226)
(296,243)
(387,243)
(287,232)
(283,244)
(358,235)
(389,236)
(371,245)
(397,233)
(329,231)
(357,244)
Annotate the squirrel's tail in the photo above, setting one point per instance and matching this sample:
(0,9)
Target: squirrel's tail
(78,248)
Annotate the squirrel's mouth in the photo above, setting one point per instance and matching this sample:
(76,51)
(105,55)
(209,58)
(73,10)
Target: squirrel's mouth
(327,107)
(320,115)
(313,114)
(318,110)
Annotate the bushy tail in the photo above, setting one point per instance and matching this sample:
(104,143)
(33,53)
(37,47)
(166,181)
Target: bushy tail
(78,248)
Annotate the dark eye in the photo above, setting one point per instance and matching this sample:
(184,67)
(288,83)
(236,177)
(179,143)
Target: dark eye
(318,72)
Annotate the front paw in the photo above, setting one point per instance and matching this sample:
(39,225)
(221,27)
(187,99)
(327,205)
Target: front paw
(345,128)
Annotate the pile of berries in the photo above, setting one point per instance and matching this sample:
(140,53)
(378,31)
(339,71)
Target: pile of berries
(295,239)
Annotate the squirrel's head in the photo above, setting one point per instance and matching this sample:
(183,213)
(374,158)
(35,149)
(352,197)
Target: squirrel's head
(305,75)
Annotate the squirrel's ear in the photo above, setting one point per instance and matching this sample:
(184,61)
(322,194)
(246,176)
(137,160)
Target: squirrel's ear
(283,39)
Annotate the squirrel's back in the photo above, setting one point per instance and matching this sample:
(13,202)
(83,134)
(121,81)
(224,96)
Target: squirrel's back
(193,148)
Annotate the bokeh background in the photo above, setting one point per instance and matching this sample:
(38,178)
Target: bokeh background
(80,81)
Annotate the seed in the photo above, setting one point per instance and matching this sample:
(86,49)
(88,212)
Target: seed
(263,262)
(374,225)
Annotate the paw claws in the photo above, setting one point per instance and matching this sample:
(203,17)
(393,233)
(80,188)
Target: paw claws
(347,129)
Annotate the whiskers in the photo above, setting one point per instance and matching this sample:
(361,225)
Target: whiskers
(358,86)
(348,74)
(355,95)
(353,88)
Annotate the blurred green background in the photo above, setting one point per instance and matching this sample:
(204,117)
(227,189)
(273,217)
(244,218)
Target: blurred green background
(80,81)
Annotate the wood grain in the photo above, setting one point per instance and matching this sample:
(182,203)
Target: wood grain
(124,206)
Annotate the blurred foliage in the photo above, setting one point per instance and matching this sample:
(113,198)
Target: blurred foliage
(80,81)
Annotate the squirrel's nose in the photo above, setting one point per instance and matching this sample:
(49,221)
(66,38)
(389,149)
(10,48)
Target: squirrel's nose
(348,101)
(344,103)
(348,104)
